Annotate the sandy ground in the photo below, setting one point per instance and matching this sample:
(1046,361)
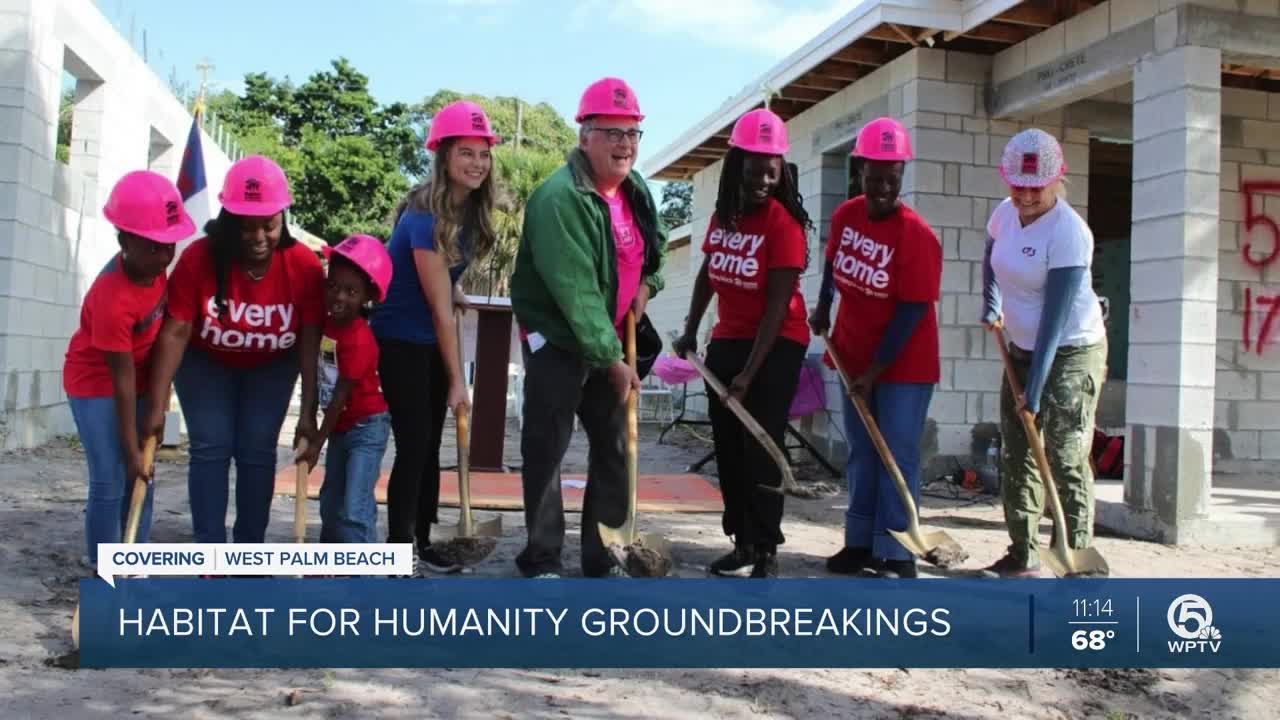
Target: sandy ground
(41,535)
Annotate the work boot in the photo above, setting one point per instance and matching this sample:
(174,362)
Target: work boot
(740,562)
(431,561)
(1011,567)
(897,569)
(851,561)
(766,566)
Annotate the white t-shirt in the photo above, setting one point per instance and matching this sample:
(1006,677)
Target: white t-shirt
(1021,259)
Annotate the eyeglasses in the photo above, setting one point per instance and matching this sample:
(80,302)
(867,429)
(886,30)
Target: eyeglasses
(616,135)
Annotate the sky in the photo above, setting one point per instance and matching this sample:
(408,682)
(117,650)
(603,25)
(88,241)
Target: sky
(683,58)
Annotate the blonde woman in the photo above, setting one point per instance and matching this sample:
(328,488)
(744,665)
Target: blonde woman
(1038,288)
(440,227)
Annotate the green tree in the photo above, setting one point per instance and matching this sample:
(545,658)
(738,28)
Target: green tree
(677,203)
(66,111)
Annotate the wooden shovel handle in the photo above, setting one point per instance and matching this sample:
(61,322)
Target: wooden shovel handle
(462,423)
(300,495)
(139,495)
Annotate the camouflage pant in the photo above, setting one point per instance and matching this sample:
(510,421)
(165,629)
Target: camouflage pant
(1066,417)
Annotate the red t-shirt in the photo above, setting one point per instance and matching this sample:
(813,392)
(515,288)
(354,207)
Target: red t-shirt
(263,316)
(117,316)
(878,264)
(351,353)
(739,262)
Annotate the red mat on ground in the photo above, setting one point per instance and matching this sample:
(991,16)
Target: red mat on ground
(502,491)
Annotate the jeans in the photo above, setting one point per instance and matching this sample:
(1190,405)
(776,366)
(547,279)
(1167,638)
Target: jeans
(233,413)
(1067,407)
(900,410)
(752,516)
(558,384)
(109,490)
(352,465)
(416,387)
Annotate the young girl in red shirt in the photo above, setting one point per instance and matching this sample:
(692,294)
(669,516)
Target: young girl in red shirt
(109,358)
(356,424)
(755,250)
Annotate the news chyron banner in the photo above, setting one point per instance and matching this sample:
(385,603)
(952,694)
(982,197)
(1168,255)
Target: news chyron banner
(361,621)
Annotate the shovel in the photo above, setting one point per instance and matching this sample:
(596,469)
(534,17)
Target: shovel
(300,494)
(937,547)
(646,555)
(136,499)
(789,484)
(1061,558)
(470,541)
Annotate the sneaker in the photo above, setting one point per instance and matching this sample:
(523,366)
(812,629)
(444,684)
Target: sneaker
(616,571)
(1010,567)
(766,566)
(851,561)
(549,575)
(430,560)
(897,569)
(739,562)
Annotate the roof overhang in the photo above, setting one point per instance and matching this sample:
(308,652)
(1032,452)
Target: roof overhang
(867,37)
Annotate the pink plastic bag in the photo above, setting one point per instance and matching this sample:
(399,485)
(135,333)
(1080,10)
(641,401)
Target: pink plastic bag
(674,371)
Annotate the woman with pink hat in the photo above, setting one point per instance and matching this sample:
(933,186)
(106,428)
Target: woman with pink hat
(755,250)
(244,315)
(1037,287)
(887,264)
(109,358)
(440,227)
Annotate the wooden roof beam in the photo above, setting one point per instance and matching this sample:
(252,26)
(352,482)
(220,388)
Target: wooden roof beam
(1031,15)
(885,32)
(993,32)
(861,56)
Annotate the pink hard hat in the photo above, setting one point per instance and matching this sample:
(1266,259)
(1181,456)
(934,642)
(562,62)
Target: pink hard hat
(1032,158)
(883,139)
(760,131)
(608,96)
(255,186)
(370,255)
(459,119)
(149,206)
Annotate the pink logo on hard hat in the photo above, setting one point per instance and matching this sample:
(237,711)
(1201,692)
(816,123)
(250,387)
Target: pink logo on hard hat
(766,132)
(1030,164)
(887,141)
(477,121)
(619,97)
(171,214)
(252,190)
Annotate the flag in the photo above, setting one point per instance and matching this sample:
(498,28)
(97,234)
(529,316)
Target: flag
(193,186)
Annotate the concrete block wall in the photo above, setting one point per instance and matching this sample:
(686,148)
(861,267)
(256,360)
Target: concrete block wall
(53,240)
(1247,398)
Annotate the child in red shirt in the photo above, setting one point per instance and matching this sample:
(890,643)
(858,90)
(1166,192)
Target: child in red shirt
(356,422)
(108,359)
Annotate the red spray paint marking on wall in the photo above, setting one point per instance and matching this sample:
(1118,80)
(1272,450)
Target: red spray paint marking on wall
(1259,258)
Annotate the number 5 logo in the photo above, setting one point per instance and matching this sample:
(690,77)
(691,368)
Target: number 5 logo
(1187,608)
(1254,218)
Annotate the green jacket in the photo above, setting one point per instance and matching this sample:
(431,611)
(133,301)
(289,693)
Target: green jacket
(565,281)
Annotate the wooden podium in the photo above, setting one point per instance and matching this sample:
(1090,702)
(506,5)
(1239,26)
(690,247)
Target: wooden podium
(489,397)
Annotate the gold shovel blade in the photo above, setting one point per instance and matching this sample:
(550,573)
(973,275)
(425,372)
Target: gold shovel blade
(489,528)
(620,536)
(1064,562)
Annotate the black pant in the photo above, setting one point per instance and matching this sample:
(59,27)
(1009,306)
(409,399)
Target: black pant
(557,384)
(416,387)
(752,516)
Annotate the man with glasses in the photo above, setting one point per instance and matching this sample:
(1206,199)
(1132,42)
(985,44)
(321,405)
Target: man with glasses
(592,248)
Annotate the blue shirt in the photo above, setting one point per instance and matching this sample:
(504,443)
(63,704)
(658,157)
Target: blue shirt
(405,315)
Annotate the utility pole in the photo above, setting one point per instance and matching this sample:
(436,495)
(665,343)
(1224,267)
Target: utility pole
(519,123)
(203,68)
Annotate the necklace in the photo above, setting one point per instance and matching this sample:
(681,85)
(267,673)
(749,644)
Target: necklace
(253,275)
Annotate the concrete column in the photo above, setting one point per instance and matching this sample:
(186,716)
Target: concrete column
(1174,270)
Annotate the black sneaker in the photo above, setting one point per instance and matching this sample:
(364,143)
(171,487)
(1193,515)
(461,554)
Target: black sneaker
(1011,567)
(430,560)
(897,569)
(851,561)
(740,562)
(766,566)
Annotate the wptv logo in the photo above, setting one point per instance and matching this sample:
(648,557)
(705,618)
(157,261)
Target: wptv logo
(1191,619)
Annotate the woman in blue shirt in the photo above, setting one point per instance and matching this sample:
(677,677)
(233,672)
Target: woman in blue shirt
(439,228)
